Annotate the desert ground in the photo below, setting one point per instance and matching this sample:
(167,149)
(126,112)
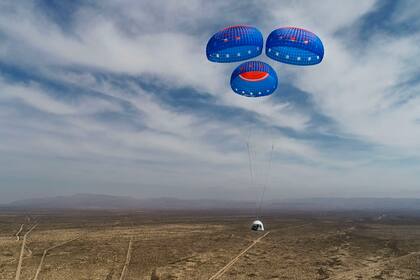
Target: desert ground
(108,245)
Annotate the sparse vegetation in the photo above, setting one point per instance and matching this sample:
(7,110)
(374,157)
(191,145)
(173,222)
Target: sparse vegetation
(195,245)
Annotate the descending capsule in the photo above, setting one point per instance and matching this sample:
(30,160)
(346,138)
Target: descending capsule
(295,46)
(254,79)
(235,43)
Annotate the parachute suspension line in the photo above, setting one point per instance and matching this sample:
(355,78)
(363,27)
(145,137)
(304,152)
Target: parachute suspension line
(251,175)
(253,165)
(259,175)
(248,147)
(267,175)
(266,181)
(256,172)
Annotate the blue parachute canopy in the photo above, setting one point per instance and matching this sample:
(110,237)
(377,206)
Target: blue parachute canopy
(254,79)
(235,43)
(295,46)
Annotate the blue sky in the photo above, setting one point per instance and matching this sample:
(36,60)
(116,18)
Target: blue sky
(118,98)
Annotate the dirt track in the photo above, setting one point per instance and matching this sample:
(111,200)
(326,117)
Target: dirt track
(94,245)
(222,271)
(22,251)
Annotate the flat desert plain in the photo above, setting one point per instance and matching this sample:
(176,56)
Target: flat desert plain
(107,245)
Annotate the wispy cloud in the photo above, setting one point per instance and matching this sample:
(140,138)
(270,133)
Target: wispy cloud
(101,95)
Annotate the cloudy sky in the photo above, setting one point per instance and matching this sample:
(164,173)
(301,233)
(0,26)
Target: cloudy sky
(117,97)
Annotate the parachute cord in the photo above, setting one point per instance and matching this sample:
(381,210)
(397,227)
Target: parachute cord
(252,168)
(251,175)
(267,175)
(266,181)
(256,175)
(249,149)
(260,204)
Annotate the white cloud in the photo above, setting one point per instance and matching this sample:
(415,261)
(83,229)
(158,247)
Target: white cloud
(97,42)
(363,93)
(357,86)
(324,17)
(33,97)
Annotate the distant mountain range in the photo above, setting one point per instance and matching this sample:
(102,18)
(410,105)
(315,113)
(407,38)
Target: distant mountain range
(97,201)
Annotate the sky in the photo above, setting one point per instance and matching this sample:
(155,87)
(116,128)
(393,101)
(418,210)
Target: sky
(117,97)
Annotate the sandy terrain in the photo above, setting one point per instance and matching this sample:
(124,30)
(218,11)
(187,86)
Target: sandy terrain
(196,245)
